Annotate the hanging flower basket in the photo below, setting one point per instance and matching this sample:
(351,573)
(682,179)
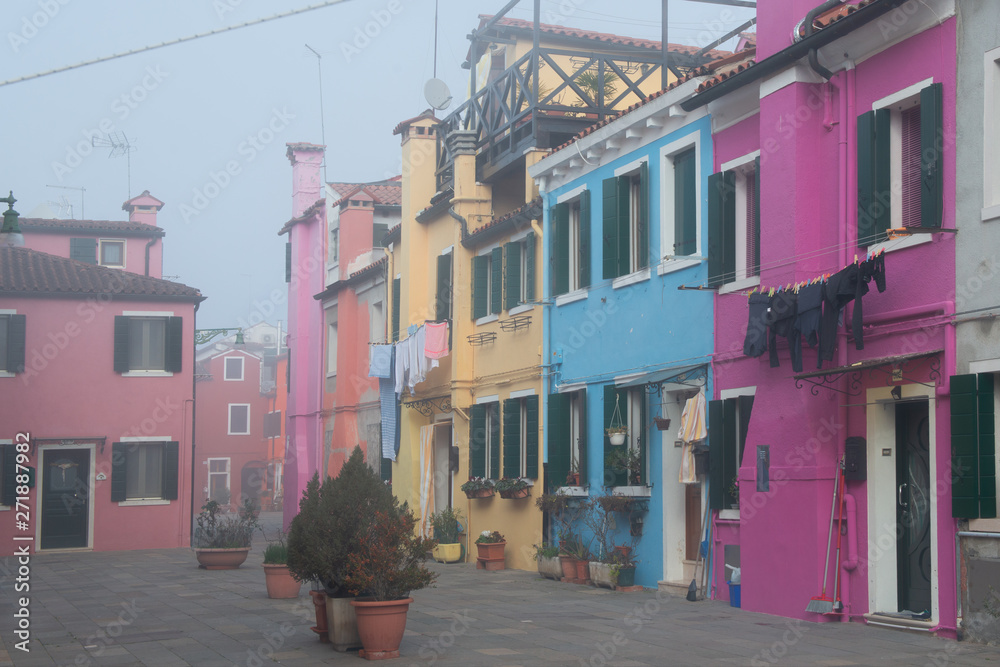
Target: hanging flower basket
(617,438)
(616,431)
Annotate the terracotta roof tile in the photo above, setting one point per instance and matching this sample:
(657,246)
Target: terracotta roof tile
(24,271)
(530,210)
(429,113)
(827,19)
(306,215)
(377,263)
(124,227)
(383,193)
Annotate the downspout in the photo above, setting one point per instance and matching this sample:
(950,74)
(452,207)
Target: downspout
(194,410)
(851,563)
(810,30)
(148,245)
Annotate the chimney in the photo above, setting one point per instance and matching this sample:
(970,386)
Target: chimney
(306,161)
(10,233)
(142,209)
(776,21)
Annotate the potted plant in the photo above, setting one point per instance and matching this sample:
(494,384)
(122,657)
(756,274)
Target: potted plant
(616,431)
(279,581)
(547,556)
(627,461)
(325,532)
(512,487)
(478,487)
(447,526)
(223,542)
(387,563)
(490,546)
(573,477)
(563,511)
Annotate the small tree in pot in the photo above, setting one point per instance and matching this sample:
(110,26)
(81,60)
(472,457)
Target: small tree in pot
(222,542)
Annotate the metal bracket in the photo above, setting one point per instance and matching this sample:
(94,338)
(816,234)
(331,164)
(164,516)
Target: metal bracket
(515,323)
(475,340)
(427,406)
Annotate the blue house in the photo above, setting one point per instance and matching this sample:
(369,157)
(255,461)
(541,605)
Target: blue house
(625,227)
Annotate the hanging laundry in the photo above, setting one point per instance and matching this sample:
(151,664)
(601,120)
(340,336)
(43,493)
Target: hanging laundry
(388,409)
(755,343)
(380,361)
(418,362)
(436,341)
(839,290)
(782,322)
(810,309)
(693,429)
(402,351)
(870,269)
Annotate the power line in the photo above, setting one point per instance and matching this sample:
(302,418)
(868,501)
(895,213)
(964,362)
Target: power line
(180,40)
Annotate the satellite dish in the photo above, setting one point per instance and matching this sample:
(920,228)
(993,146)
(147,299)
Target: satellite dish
(437,94)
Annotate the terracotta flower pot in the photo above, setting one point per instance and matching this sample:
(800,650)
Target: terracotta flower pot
(480,493)
(281,585)
(515,495)
(491,556)
(381,626)
(583,570)
(321,629)
(221,559)
(568,564)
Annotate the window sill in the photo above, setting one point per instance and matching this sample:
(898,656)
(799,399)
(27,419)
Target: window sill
(6,374)
(901,244)
(247,433)
(331,375)
(729,515)
(147,374)
(639,276)
(5,508)
(671,265)
(486,320)
(991,213)
(632,491)
(517,310)
(142,503)
(739,285)
(571,297)
(574,491)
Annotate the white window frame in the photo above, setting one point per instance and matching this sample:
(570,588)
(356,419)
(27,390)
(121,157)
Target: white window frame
(210,474)
(744,166)
(574,245)
(229,430)
(991,136)
(668,262)
(100,252)
(146,372)
(634,209)
(225,368)
(331,349)
(577,410)
(376,322)
(723,395)
(490,315)
(135,447)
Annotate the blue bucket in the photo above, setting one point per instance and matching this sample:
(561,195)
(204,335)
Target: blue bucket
(734,595)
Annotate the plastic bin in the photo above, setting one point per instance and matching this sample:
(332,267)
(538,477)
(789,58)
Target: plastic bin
(734,595)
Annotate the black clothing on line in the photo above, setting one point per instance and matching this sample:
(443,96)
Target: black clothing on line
(755,343)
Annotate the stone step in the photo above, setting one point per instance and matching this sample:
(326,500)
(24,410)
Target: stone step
(675,588)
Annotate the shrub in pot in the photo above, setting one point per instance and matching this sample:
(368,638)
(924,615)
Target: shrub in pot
(547,556)
(280,582)
(447,528)
(222,542)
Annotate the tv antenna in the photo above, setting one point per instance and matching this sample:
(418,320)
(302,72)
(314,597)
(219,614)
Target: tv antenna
(82,191)
(436,91)
(119,145)
(322,125)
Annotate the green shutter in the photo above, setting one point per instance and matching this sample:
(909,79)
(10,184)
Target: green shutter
(121,343)
(716,230)
(495,441)
(643,430)
(874,165)
(964,447)
(118,472)
(582,426)
(174,358)
(583,258)
(987,447)
(755,267)
(288,261)
(442,304)
(560,248)
(685,204)
(624,225)
(609,210)
(480,286)
(529,273)
(379,230)
(16,340)
(730,465)
(716,452)
(745,408)
(512,274)
(612,477)
(931,155)
(531,443)
(729,226)
(557,429)
(477,441)
(83,250)
(396,289)
(496,280)
(512,437)
(643,226)
(8,464)
(171,457)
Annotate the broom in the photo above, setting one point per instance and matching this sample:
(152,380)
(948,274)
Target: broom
(822,604)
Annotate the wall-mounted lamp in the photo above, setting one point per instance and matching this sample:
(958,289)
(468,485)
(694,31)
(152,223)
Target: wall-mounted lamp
(897,393)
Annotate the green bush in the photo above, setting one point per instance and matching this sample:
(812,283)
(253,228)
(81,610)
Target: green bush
(446,524)
(225,532)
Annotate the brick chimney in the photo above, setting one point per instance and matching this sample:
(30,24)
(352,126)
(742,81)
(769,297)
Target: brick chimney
(776,21)
(143,208)
(306,161)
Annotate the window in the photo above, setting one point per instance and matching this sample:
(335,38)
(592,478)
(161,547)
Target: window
(12,342)
(272,424)
(973,446)
(218,480)
(519,272)
(728,424)
(83,250)
(379,230)
(991,136)
(333,251)
(111,253)
(148,343)
(288,262)
(734,224)
(567,434)
(144,471)
(376,323)
(484,440)
(625,465)
(8,471)
(239,419)
(396,304)
(900,162)
(442,300)
(331,349)
(233,368)
(625,212)
(570,225)
(520,437)
(487,283)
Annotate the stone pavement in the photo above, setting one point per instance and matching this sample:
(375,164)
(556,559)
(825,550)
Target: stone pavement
(157,607)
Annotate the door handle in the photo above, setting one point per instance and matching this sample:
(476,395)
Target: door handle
(900,497)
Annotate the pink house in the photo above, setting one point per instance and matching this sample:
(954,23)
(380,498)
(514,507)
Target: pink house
(843,133)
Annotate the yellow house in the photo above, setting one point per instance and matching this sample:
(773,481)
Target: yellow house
(469,251)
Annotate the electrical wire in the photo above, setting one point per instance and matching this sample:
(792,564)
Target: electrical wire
(172,42)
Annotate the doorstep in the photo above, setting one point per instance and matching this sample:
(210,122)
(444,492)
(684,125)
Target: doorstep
(900,623)
(674,588)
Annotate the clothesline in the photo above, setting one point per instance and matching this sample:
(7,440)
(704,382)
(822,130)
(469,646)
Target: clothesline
(796,286)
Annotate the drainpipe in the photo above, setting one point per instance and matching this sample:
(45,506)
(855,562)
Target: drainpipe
(148,245)
(809,30)
(851,563)
(194,410)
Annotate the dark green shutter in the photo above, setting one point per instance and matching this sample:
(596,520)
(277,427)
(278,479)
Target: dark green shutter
(874,175)
(495,440)
(174,357)
(477,441)
(624,225)
(8,463)
(512,437)
(171,457)
(582,427)
(730,434)
(931,155)
(118,471)
(529,272)
(716,452)
(16,340)
(721,228)
(83,250)
(964,447)
(745,408)
(583,258)
(385,470)
(560,248)
(496,280)
(288,262)
(480,286)
(612,477)
(755,266)
(379,230)
(685,204)
(531,440)
(987,447)
(512,274)
(643,226)
(641,435)
(442,304)
(557,429)
(121,343)
(609,211)
(396,297)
